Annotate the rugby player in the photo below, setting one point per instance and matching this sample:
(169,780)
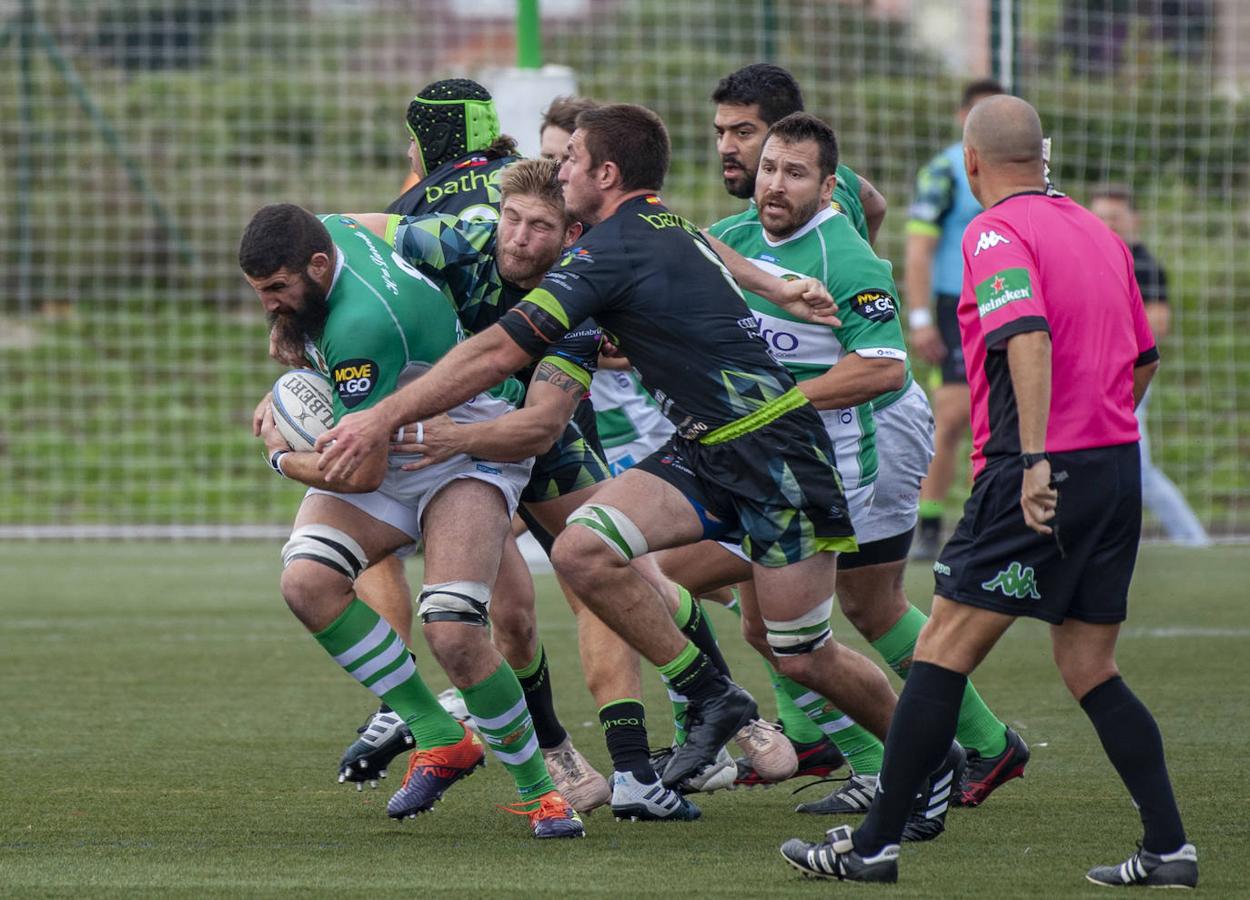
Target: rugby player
(882,430)
(454,136)
(377,324)
(1052,527)
(486,268)
(750,458)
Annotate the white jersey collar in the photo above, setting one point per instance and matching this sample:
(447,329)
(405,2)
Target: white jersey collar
(812,224)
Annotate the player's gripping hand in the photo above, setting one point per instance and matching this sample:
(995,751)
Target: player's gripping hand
(435,439)
(809,299)
(258,414)
(1037,498)
(267,429)
(345,446)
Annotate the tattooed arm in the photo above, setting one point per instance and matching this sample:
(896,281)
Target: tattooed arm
(529,431)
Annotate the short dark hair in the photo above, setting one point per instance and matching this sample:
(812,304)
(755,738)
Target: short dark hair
(563,113)
(801,126)
(770,87)
(979,89)
(1113,190)
(282,236)
(632,137)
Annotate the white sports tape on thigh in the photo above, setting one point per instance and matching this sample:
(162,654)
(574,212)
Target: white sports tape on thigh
(808,632)
(327,545)
(613,527)
(467,602)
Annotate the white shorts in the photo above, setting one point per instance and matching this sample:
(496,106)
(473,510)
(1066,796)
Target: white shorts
(904,448)
(401,500)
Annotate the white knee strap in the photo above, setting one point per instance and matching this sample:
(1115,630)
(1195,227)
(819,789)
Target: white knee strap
(467,602)
(327,545)
(613,527)
(808,632)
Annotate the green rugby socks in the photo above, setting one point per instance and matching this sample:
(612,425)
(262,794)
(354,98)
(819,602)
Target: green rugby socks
(370,651)
(979,729)
(497,705)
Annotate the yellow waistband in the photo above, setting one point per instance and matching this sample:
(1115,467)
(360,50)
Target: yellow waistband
(774,409)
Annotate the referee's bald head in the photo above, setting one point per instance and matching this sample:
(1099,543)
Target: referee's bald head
(1005,131)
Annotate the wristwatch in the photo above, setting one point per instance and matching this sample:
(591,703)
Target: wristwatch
(1029,460)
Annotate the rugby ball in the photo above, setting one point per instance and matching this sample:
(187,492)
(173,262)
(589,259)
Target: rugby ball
(303,407)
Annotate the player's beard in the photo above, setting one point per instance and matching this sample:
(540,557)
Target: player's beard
(290,330)
(741,186)
(519,268)
(781,225)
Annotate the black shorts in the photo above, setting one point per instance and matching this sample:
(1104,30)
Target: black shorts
(878,553)
(1081,571)
(953,371)
(574,462)
(774,489)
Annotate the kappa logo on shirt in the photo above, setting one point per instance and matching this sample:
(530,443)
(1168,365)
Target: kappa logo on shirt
(988,241)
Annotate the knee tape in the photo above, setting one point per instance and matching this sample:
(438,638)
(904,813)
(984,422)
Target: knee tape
(808,632)
(613,527)
(327,545)
(467,602)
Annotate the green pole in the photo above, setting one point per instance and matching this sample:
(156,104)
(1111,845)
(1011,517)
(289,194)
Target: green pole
(25,164)
(529,43)
(768,34)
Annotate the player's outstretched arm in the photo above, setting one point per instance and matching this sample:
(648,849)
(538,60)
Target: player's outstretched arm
(549,404)
(479,363)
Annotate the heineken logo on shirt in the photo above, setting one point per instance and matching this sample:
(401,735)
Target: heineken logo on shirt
(1002,288)
(1015,581)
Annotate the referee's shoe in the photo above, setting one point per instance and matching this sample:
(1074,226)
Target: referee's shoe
(1167,870)
(835,857)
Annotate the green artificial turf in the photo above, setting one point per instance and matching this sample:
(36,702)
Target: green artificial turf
(170,730)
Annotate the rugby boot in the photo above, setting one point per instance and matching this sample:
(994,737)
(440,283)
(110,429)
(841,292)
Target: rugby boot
(383,737)
(984,774)
(1162,870)
(575,778)
(638,802)
(854,796)
(432,772)
(928,817)
(709,724)
(551,816)
(817,759)
(835,858)
(717,777)
(767,750)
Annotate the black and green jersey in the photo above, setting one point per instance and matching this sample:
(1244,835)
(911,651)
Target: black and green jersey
(387,321)
(467,188)
(649,278)
(861,283)
(459,257)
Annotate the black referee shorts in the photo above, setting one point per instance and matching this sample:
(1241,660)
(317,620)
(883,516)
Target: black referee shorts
(1081,571)
(953,371)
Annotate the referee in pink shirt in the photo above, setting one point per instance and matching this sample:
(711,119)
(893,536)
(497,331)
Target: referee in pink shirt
(1058,353)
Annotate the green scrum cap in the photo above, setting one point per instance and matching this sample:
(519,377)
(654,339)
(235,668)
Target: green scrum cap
(450,118)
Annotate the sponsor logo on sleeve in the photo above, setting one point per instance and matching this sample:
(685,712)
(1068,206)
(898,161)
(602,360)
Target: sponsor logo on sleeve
(577,254)
(875,306)
(988,241)
(354,380)
(1002,288)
